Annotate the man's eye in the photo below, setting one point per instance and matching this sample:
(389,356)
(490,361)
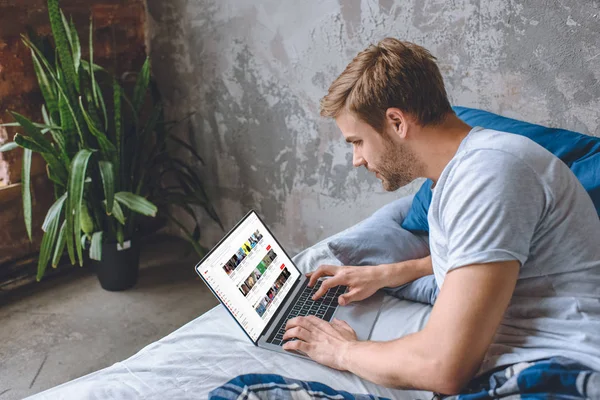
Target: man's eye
(358,142)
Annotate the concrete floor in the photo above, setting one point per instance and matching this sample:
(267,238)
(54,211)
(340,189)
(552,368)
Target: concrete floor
(62,328)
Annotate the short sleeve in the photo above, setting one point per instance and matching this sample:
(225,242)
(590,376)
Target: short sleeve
(490,206)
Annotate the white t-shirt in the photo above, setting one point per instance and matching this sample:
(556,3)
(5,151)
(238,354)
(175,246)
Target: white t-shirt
(503,197)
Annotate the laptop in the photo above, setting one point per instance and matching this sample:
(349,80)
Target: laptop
(253,277)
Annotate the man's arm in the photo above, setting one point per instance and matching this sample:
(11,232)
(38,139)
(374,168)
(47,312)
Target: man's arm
(363,281)
(444,356)
(399,273)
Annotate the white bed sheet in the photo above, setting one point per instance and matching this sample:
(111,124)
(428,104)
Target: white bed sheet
(212,349)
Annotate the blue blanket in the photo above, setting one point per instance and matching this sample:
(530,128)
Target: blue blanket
(554,378)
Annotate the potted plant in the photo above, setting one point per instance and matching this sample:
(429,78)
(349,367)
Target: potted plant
(106,153)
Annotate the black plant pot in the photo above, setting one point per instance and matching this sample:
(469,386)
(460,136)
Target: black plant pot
(118,269)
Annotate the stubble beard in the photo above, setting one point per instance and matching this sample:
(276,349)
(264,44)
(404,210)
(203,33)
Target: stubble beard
(398,167)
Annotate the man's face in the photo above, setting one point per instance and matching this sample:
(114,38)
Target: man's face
(381,153)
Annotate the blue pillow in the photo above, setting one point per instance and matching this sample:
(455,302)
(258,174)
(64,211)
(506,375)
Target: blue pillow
(580,152)
(380,239)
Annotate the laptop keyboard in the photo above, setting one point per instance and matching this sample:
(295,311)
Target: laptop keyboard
(322,308)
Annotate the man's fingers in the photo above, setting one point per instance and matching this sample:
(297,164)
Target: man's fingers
(348,298)
(297,332)
(298,321)
(342,325)
(308,327)
(318,324)
(325,286)
(298,345)
(323,270)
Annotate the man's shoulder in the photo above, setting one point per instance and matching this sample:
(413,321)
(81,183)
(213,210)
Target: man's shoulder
(494,167)
(487,154)
(504,146)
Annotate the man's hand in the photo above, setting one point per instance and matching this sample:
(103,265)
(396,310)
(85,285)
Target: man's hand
(362,282)
(324,342)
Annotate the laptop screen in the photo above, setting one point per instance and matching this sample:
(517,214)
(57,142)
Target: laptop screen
(250,273)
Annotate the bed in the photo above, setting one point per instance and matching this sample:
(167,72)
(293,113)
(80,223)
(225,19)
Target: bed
(210,350)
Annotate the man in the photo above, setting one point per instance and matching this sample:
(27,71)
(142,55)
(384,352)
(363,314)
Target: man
(513,236)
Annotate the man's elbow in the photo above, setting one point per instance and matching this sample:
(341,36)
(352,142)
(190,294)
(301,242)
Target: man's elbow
(449,386)
(450,378)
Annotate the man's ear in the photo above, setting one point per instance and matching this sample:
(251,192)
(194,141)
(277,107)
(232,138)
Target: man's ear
(396,120)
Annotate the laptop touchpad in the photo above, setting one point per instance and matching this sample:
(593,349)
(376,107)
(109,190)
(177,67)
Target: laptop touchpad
(361,316)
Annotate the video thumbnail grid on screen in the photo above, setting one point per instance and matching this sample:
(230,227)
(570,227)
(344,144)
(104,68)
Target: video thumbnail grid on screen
(257,272)
(242,252)
(262,306)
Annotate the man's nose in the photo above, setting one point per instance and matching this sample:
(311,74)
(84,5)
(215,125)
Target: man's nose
(357,159)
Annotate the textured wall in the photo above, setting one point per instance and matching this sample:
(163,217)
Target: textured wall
(253,72)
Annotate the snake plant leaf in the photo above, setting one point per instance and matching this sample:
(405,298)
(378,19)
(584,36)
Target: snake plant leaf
(199,249)
(43,127)
(66,108)
(87,224)
(96,246)
(102,104)
(8,147)
(143,138)
(54,212)
(45,115)
(136,203)
(67,28)
(47,246)
(106,147)
(34,133)
(155,116)
(141,86)
(75,45)
(26,189)
(52,176)
(108,182)
(97,68)
(56,133)
(117,212)
(89,103)
(120,234)
(75,196)
(117,93)
(42,58)
(90,70)
(190,211)
(59,169)
(62,46)
(73,39)
(26,143)
(48,91)
(188,148)
(60,245)
(67,120)
(196,234)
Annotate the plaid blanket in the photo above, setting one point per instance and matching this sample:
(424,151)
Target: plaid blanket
(554,378)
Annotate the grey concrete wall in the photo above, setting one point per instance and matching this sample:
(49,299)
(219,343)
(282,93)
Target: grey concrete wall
(253,72)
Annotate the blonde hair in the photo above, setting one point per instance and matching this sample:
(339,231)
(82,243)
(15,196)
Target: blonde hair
(392,73)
